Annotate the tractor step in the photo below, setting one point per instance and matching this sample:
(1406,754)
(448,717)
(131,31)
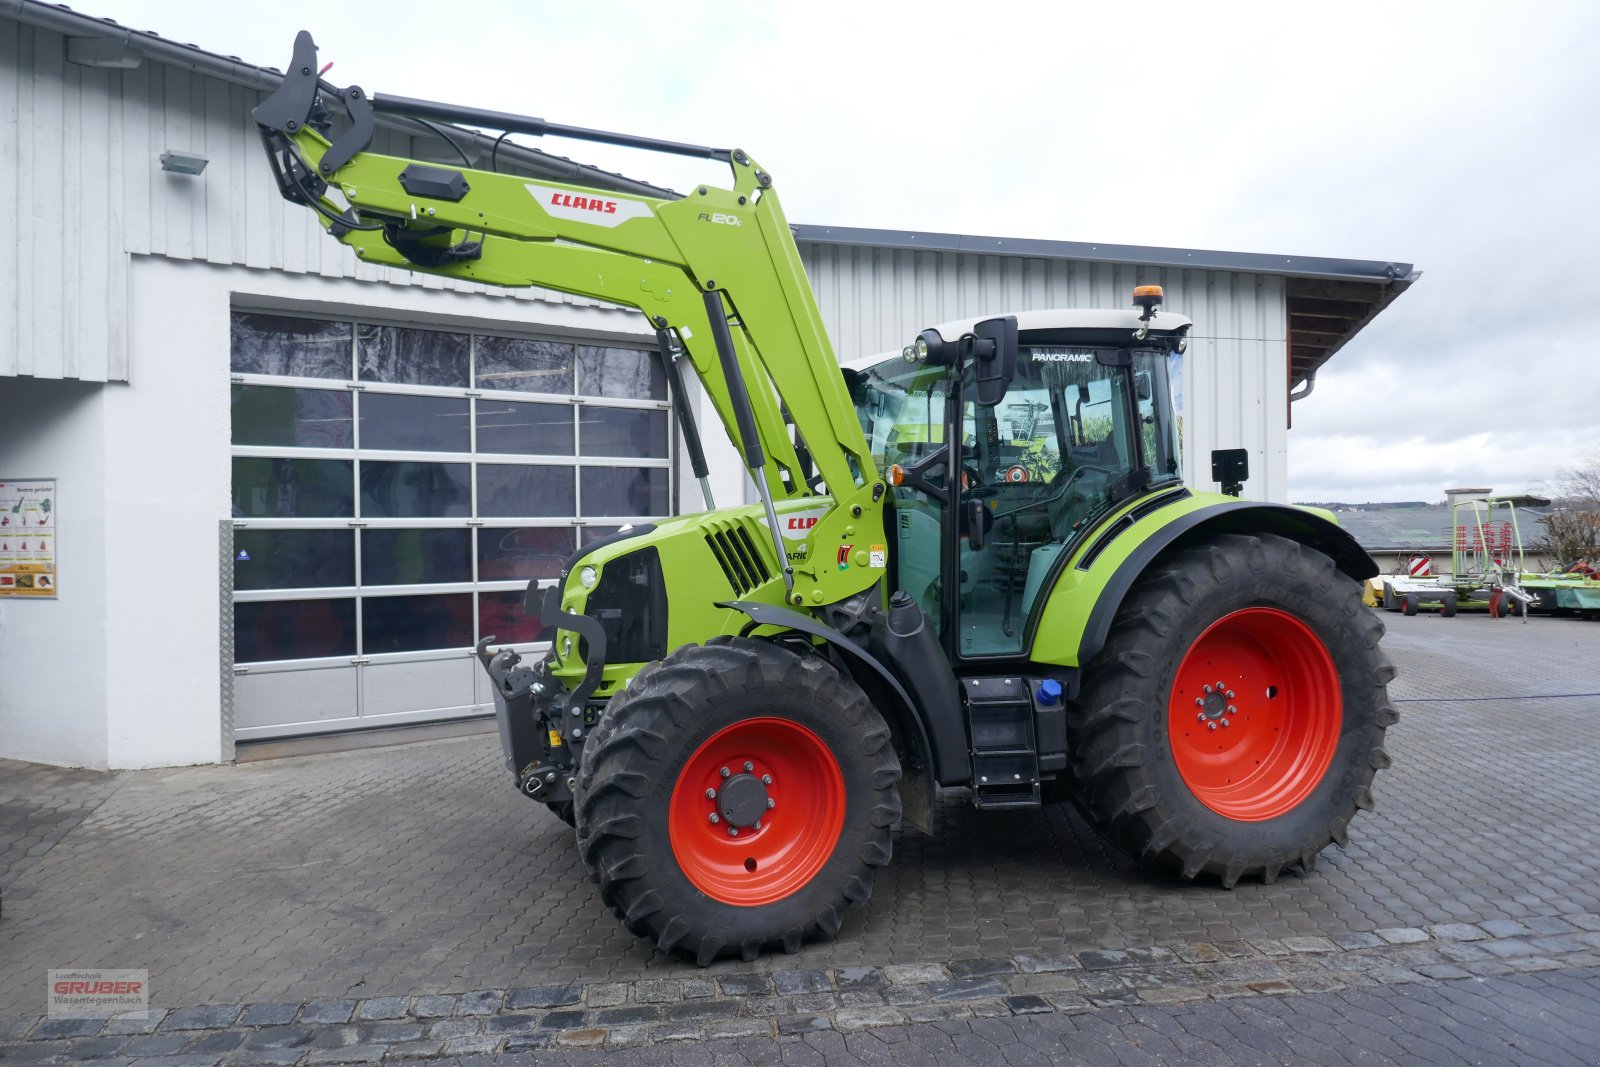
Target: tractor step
(1004,798)
(1005,757)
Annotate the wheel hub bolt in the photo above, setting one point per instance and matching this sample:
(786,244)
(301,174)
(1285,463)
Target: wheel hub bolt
(766,779)
(1224,722)
(711,794)
(771,803)
(1201,717)
(714,818)
(1208,690)
(1221,686)
(1232,710)
(758,824)
(726,773)
(733,831)
(1199,702)
(1211,726)
(748,766)
(1230,694)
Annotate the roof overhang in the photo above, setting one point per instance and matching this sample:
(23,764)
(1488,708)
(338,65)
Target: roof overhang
(1325,313)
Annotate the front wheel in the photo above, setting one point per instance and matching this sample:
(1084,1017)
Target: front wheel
(1235,719)
(737,795)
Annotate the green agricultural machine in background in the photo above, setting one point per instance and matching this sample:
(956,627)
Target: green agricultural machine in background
(974,565)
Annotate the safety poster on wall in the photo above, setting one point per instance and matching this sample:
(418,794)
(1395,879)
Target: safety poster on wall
(28,537)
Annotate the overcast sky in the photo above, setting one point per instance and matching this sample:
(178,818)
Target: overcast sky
(1461,137)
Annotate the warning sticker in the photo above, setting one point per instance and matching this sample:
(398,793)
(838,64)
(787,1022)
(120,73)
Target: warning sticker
(877,556)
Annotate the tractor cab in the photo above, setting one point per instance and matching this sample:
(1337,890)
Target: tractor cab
(994,484)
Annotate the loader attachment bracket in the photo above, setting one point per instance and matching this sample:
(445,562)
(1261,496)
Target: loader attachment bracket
(296,103)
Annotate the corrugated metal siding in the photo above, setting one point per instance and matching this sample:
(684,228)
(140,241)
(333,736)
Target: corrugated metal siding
(63,278)
(1235,372)
(81,189)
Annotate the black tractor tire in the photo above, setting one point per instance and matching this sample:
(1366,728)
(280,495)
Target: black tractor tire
(1132,725)
(659,731)
(1448,606)
(1409,605)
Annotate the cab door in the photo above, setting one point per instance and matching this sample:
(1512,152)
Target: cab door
(1044,463)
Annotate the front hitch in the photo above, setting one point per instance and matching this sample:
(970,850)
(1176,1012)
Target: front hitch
(541,725)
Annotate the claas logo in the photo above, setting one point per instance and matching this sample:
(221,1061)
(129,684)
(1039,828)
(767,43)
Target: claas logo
(586,203)
(802,522)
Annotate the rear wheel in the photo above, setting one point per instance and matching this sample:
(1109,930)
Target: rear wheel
(738,795)
(1408,604)
(1234,721)
(1447,606)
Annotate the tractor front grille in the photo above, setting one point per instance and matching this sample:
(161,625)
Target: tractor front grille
(735,550)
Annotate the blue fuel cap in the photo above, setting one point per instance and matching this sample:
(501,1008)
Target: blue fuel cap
(1049,691)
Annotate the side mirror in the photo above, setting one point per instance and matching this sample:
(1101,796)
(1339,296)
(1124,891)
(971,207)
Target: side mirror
(1141,386)
(994,352)
(1231,467)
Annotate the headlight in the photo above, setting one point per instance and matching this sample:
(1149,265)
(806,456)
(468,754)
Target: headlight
(920,347)
(588,577)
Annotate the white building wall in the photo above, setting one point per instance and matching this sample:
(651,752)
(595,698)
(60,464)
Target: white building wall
(82,190)
(52,689)
(1235,373)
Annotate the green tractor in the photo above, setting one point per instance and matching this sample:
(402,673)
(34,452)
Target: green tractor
(974,565)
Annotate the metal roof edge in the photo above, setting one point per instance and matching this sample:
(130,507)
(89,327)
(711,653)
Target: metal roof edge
(1140,255)
(58,18)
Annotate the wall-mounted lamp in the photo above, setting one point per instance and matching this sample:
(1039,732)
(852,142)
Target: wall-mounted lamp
(183,163)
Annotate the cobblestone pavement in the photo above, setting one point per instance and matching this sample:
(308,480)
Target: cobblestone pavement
(388,876)
(39,806)
(1497,992)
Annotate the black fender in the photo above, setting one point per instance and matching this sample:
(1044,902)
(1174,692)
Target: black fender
(1234,516)
(943,752)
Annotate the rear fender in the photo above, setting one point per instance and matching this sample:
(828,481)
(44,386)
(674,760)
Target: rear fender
(1084,599)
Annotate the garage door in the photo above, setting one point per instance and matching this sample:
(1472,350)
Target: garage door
(395,488)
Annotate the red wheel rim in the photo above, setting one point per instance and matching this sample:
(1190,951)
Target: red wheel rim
(773,771)
(1255,714)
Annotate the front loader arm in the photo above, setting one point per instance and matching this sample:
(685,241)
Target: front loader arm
(662,256)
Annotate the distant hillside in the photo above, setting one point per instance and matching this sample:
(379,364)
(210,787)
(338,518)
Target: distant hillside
(1382,505)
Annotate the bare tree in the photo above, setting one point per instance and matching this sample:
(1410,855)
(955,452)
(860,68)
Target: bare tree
(1572,528)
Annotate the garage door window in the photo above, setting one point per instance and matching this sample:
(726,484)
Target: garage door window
(395,487)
